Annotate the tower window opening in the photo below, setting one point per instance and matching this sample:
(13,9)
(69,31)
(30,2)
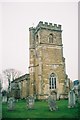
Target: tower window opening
(51,38)
(52,81)
(37,38)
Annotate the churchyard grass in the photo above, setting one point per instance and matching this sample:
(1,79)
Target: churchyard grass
(41,110)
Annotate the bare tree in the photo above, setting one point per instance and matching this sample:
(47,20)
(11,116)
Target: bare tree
(11,74)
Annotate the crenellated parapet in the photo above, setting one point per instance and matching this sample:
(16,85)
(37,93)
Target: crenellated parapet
(32,28)
(46,25)
(50,26)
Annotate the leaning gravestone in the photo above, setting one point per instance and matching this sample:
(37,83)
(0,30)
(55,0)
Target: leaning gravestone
(52,103)
(71,99)
(30,102)
(11,103)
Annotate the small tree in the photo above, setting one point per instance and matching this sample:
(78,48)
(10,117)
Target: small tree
(10,75)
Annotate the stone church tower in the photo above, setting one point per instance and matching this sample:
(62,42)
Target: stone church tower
(47,64)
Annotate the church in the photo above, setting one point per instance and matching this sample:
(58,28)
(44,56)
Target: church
(47,71)
(47,63)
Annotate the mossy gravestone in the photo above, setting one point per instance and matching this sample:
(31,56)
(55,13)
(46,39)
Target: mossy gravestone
(71,99)
(30,102)
(11,103)
(52,103)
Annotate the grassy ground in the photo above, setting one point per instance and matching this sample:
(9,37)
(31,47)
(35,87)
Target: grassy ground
(41,110)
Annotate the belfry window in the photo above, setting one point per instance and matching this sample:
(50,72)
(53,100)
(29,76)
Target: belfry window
(52,81)
(50,38)
(37,38)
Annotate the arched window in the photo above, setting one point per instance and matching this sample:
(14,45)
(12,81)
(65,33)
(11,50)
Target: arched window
(51,38)
(52,81)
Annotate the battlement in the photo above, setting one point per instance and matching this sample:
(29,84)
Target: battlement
(49,26)
(46,25)
(31,28)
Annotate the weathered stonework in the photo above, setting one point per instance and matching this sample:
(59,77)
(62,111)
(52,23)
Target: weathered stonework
(46,58)
(20,87)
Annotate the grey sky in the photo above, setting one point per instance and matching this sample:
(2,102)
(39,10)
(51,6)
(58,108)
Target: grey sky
(18,17)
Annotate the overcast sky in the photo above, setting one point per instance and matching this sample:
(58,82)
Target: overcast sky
(18,17)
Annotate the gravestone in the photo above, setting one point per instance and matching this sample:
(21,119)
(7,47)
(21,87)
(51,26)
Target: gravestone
(4,96)
(79,91)
(30,102)
(4,99)
(11,103)
(79,101)
(52,103)
(71,99)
